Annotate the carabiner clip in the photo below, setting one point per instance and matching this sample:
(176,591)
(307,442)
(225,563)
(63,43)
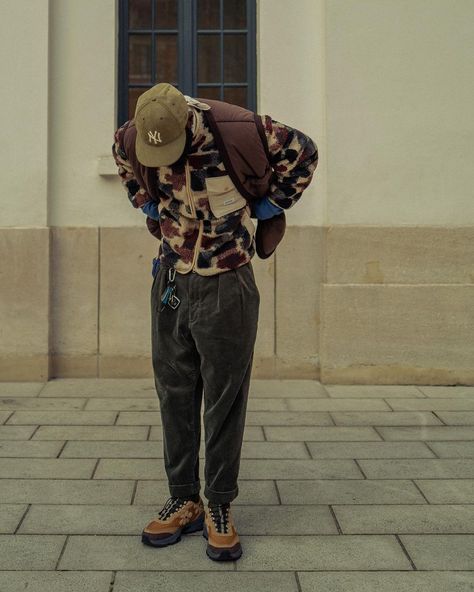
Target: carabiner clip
(171,274)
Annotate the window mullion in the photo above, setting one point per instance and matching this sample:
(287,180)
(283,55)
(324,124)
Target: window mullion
(185,66)
(153,43)
(221,25)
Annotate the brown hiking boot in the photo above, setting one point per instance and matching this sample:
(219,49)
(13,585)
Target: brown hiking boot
(178,516)
(223,543)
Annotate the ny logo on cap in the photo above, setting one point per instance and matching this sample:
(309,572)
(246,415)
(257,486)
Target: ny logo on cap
(155,136)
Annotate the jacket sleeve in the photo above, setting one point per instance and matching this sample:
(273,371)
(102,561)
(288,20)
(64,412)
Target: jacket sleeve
(137,195)
(294,158)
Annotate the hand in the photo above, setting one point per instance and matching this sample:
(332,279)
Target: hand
(263,208)
(156,266)
(150,208)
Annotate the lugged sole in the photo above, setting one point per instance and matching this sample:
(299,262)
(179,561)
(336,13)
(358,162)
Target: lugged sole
(176,536)
(224,554)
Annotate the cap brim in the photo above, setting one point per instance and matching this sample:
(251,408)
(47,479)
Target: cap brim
(155,156)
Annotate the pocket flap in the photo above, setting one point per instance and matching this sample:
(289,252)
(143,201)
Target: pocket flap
(221,184)
(223,196)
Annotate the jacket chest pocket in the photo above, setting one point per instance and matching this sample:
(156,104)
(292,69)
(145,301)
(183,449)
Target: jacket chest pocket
(223,196)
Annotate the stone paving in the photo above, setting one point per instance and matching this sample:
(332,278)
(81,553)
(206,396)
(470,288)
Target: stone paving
(342,488)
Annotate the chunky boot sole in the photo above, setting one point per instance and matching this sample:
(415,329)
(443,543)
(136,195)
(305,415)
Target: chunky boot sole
(148,539)
(230,554)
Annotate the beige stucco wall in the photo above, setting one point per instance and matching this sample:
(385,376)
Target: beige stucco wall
(373,280)
(24,107)
(399,111)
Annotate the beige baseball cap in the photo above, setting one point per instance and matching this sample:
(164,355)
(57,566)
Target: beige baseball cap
(161,116)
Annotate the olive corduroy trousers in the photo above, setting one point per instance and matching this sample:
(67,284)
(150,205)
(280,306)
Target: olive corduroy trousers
(204,349)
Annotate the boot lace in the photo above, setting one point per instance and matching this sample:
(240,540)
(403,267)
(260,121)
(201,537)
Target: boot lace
(220,516)
(172,505)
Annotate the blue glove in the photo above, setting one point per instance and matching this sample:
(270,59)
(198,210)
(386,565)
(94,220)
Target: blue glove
(156,266)
(263,209)
(151,210)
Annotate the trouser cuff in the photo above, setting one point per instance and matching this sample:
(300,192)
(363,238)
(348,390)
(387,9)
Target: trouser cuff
(220,497)
(185,489)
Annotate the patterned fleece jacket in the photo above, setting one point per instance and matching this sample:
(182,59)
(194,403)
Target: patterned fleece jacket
(199,232)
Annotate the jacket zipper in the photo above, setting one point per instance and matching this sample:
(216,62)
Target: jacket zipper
(193,209)
(188,193)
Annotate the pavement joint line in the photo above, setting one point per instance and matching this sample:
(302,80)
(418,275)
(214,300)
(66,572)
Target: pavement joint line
(275,484)
(436,455)
(61,450)
(134,493)
(22,518)
(437,417)
(359,467)
(308,450)
(400,542)
(94,469)
(112,581)
(298,583)
(42,389)
(333,514)
(419,390)
(61,553)
(387,403)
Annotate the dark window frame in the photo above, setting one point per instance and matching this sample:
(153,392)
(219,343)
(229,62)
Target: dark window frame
(187,68)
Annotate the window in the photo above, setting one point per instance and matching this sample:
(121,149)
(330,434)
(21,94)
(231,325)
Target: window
(206,48)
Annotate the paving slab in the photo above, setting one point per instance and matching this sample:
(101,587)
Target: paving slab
(369,450)
(447,391)
(362,391)
(447,491)
(66,491)
(20,389)
(429,468)
(355,491)
(4,415)
(399,581)
(454,418)
(447,404)
(10,516)
(99,552)
(401,519)
(55,581)
(8,432)
(91,433)
(63,418)
(206,581)
(321,434)
(286,388)
(380,418)
(426,433)
(46,467)
(30,552)
(440,551)
(41,403)
(337,405)
(299,469)
(460,449)
(99,387)
(322,552)
(30,449)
